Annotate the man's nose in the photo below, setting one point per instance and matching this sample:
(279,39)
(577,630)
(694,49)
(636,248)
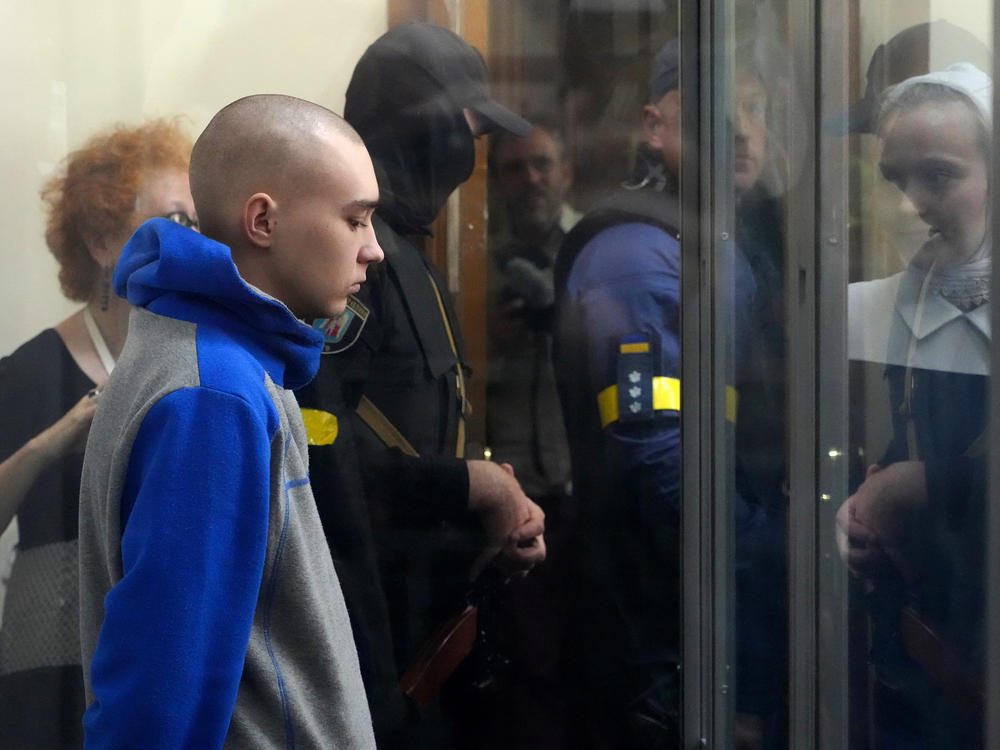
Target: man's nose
(739,126)
(913,202)
(371,252)
(741,120)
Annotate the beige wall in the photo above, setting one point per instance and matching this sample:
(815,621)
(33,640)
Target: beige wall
(881,19)
(72,68)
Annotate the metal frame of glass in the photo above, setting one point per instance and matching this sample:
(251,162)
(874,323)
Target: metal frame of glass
(816,286)
(993,511)
(830,243)
(696,158)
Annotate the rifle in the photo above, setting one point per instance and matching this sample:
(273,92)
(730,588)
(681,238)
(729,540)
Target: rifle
(898,626)
(452,642)
(942,659)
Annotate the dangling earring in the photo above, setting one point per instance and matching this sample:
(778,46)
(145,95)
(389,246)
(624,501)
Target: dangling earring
(105,288)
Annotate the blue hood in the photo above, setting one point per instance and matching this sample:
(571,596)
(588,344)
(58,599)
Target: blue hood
(174,271)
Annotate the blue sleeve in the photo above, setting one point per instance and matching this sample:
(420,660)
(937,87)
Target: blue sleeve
(176,627)
(626,282)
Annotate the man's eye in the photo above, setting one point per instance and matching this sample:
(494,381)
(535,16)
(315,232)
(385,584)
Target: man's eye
(893,177)
(512,169)
(937,179)
(357,223)
(755,108)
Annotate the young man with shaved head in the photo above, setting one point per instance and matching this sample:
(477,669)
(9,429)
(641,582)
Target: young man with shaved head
(211,614)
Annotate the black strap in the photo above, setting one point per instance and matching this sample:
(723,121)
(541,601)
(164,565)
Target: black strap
(621,206)
(409,270)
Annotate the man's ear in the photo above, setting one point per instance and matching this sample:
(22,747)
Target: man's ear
(651,119)
(656,117)
(260,219)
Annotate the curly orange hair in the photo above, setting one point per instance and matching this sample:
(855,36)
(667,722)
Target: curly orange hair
(94,195)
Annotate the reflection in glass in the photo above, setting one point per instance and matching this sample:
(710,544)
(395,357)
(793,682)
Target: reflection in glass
(912,531)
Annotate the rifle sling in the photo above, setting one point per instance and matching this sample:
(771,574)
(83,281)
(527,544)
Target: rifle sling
(380,424)
(463,400)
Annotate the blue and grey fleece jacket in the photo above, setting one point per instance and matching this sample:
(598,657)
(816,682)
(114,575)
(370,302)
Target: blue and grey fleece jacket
(211,615)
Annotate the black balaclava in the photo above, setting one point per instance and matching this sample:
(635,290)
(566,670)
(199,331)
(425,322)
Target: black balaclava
(418,139)
(406,100)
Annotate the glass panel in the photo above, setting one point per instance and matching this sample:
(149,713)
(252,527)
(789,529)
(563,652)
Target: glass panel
(909,488)
(606,149)
(737,351)
(761,146)
(584,652)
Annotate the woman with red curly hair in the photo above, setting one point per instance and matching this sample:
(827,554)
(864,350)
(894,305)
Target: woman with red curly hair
(49,389)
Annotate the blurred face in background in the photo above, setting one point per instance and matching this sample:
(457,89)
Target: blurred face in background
(662,125)
(163,192)
(750,133)
(532,179)
(166,193)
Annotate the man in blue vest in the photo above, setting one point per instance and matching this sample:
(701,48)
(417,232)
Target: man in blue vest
(618,363)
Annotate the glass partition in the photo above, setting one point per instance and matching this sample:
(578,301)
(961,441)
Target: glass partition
(903,366)
(723,311)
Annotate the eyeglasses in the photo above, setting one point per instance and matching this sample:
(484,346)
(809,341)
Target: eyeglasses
(180,217)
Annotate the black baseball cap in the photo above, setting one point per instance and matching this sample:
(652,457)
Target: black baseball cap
(455,65)
(664,73)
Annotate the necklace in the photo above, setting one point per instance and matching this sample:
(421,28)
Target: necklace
(98,340)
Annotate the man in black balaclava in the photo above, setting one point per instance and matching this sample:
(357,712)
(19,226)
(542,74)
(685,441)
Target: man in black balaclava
(394,374)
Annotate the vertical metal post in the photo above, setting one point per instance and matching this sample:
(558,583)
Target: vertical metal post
(992,705)
(717,249)
(706,278)
(696,166)
(803,322)
(832,247)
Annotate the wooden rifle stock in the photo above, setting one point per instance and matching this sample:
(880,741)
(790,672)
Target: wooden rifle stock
(443,652)
(942,659)
(454,639)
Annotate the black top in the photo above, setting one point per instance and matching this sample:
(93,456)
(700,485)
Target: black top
(43,704)
(39,383)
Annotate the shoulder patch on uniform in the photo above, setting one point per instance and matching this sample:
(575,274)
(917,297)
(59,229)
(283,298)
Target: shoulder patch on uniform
(635,378)
(341,332)
(322,427)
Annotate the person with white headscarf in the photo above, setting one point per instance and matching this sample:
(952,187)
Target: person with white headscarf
(935,131)
(913,530)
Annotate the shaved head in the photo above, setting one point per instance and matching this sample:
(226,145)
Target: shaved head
(289,187)
(262,143)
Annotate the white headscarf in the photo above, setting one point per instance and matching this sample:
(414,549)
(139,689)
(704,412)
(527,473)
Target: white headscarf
(963,77)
